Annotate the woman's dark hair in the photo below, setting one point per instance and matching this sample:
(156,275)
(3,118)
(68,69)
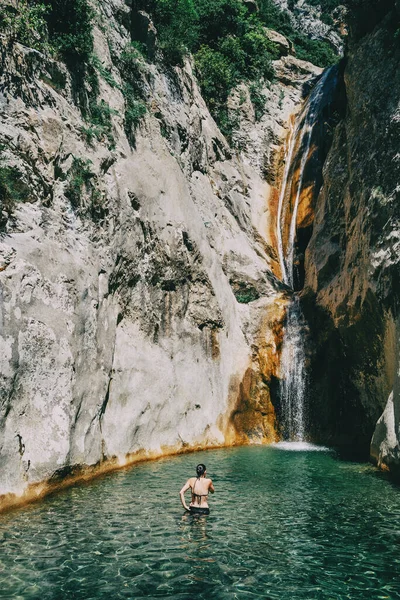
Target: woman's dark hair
(200,470)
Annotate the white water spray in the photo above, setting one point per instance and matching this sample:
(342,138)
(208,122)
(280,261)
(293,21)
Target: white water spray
(293,368)
(294,375)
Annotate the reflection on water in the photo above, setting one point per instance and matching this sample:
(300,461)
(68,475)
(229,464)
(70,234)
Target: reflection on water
(283,526)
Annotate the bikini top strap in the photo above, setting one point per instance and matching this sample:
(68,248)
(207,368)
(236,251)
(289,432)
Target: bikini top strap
(198,495)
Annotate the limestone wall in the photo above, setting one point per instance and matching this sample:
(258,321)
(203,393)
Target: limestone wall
(144,320)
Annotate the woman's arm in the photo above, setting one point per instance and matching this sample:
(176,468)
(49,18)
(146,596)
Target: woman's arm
(211,487)
(185,488)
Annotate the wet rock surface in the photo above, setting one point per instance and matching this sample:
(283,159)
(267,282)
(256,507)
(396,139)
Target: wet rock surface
(351,295)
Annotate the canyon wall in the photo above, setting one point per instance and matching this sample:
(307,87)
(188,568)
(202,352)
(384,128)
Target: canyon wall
(351,294)
(140,309)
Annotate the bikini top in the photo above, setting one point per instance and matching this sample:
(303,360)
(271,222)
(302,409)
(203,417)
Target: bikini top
(200,496)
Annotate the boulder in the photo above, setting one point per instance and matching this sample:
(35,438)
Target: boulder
(385,450)
(293,71)
(283,44)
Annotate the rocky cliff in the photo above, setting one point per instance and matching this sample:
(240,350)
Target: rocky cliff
(139,306)
(351,294)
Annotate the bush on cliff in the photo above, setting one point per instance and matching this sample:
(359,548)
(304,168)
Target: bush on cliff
(186,25)
(315,51)
(178,30)
(12,188)
(26,23)
(70,28)
(54,26)
(229,44)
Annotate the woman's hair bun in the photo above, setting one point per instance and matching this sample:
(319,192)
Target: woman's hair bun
(200,469)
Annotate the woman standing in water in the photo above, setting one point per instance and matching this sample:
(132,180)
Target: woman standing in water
(201,487)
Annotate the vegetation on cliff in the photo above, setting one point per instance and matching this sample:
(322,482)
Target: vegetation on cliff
(228,41)
(326,7)
(54,26)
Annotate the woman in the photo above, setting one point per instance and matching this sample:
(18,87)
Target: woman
(200,486)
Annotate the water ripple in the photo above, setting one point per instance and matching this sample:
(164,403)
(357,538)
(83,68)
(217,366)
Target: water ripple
(283,526)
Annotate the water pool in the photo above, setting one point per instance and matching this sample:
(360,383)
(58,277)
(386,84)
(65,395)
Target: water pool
(284,525)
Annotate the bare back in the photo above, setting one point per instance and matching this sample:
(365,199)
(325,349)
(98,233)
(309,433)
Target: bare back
(200,489)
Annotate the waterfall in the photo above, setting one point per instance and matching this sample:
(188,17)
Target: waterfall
(293,385)
(293,374)
(300,137)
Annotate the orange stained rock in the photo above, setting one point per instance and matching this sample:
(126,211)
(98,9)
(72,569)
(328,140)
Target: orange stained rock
(272,240)
(252,417)
(86,473)
(305,213)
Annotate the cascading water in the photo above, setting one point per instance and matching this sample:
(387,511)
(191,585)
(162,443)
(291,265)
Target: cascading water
(293,369)
(294,375)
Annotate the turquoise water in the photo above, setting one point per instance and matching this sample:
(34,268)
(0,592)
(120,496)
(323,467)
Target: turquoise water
(284,525)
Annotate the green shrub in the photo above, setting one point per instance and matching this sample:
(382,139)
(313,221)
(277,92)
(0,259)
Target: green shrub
(229,45)
(131,63)
(91,133)
(274,18)
(140,48)
(99,118)
(135,109)
(178,29)
(246,295)
(216,76)
(100,115)
(70,29)
(12,188)
(318,52)
(315,51)
(26,24)
(80,178)
(235,60)
(104,73)
(220,18)
(82,192)
(258,99)
(259,51)
(232,49)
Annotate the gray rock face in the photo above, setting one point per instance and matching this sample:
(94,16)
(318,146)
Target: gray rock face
(307,19)
(131,311)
